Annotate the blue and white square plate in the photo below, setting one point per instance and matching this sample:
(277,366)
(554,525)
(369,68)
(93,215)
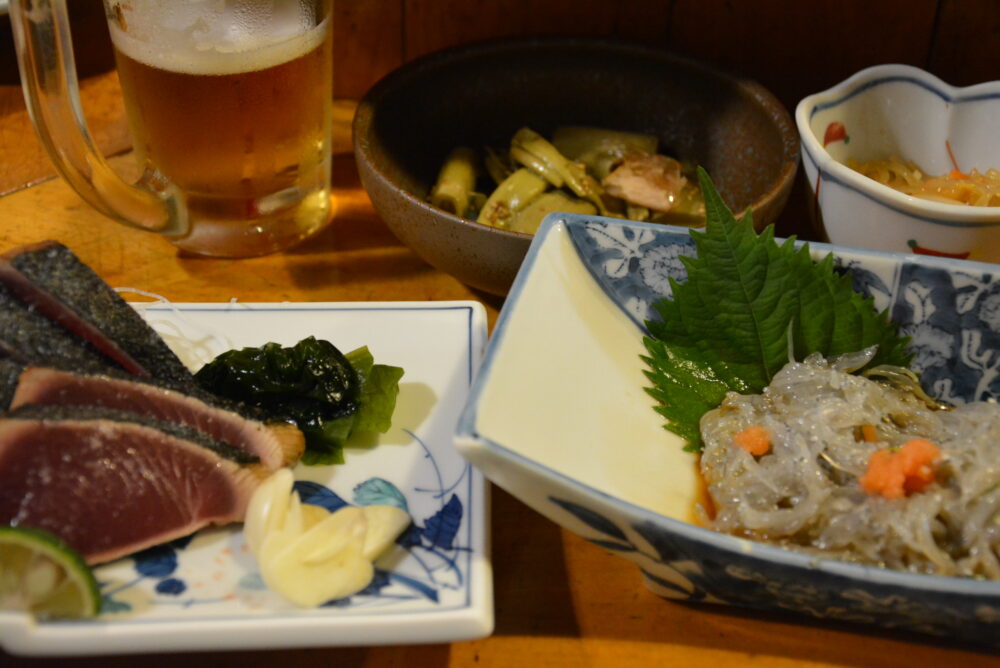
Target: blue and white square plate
(206,593)
(559,417)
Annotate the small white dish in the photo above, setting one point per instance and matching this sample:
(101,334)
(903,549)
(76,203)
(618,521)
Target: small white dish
(558,416)
(206,594)
(904,112)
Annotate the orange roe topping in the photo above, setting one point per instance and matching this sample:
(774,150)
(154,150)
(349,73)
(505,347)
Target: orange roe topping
(906,471)
(918,458)
(869,434)
(754,439)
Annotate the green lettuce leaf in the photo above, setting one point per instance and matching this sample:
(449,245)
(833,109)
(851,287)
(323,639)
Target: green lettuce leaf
(379,387)
(325,441)
(730,325)
(378,399)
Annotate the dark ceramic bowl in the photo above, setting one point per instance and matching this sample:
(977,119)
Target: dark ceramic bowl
(481,94)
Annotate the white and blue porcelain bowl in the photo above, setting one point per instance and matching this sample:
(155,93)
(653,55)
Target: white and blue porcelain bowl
(558,416)
(904,112)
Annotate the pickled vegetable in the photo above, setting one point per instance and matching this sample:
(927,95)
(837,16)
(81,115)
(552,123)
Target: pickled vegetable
(599,149)
(456,182)
(583,170)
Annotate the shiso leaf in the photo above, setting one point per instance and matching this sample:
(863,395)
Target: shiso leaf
(727,327)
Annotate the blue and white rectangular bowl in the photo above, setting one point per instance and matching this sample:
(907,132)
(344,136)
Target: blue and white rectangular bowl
(558,417)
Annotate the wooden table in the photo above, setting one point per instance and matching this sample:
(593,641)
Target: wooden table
(560,601)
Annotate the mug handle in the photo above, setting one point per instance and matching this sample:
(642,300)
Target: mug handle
(52,94)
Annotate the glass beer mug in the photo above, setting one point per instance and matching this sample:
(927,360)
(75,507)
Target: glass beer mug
(229,109)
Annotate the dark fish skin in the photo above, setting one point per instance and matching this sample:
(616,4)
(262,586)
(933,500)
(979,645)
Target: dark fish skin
(111,488)
(28,336)
(59,273)
(10,371)
(23,289)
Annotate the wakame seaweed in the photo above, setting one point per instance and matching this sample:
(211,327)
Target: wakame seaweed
(327,394)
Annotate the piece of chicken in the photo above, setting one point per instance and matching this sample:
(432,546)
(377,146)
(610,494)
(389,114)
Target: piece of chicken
(650,180)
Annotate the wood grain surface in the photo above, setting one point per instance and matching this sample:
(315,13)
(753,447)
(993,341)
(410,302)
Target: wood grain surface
(794,48)
(559,600)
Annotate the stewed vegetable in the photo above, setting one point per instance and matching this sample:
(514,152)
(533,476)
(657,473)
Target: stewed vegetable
(582,170)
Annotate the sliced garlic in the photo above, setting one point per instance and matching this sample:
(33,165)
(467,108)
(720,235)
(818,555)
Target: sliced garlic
(324,563)
(313,515)
(309,555)
(267,507)
(385,524)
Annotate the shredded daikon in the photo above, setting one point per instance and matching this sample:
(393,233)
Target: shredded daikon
(193,343)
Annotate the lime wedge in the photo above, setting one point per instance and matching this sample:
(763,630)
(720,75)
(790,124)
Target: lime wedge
(42,574)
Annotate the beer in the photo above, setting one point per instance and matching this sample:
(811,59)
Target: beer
(239,135)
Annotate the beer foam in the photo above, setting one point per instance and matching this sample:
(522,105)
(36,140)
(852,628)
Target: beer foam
(238,48)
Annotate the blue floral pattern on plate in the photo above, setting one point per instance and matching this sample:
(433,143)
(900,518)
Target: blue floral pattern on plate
(950,309)
(205,592)
(434,545)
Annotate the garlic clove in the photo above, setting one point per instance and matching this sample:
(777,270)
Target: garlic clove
(385,524)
